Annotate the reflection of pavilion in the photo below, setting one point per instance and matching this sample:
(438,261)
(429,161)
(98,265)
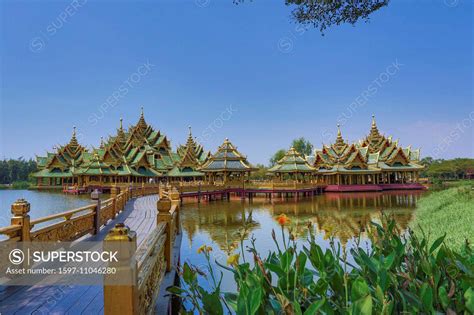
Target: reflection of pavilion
(226,223)
(343,216)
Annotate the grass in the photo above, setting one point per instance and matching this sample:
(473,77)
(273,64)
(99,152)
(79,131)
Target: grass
(449,211)
(16,185)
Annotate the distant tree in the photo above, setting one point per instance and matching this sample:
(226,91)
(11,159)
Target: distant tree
(447,169)
(427,161)
(303,146)
(261,173)
(277,157)
(322,14)
(12,170)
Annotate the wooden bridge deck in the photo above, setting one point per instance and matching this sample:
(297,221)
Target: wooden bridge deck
(139,214)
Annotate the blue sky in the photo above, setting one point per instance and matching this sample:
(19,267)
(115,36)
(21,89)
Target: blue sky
(246,72)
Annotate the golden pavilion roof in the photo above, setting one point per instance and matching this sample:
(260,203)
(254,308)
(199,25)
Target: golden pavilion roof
(292,162)
(227,158)
(372,154)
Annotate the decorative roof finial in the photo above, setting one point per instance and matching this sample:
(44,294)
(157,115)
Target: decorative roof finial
(189,126)
(73,131)
(142,110)
(373,121)
(121,123)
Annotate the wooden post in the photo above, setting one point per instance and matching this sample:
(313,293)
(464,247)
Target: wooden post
(20,209)
(175,198)
(114,192)
(122,298)
(95,195)
(164,215)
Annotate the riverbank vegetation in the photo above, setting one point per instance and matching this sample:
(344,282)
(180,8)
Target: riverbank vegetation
(456,169)
(449,212)
(397,273)
(15,173)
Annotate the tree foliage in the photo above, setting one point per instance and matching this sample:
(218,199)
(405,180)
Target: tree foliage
(12,170)
(447,169)
(261,173)
(322,14)
(277,156)
(303,146)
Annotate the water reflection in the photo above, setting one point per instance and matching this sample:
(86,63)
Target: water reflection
(342,216)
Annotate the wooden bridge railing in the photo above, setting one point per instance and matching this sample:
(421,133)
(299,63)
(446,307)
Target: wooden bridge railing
(260,185)
(152,260)
(72,224)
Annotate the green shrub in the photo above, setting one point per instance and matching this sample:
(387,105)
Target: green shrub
(396,274)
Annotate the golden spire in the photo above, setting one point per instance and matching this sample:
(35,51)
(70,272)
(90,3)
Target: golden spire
(374,131)
(73,141)
(189,157)
(102,142)
(121,123)
(340,143)
(141,122)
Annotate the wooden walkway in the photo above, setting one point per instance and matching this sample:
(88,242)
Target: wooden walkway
(140,215)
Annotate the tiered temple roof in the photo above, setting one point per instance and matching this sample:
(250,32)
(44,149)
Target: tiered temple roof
(292,162)
(371,155)
(227,159)
(192,156)
(141,152)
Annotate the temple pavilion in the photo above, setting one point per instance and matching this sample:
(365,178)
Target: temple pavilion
(192,157)
(227,164)
(376,159)
(292,166)
(140,154)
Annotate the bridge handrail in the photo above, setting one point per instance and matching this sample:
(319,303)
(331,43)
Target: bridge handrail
(86,219)
(66,214)
(152,259)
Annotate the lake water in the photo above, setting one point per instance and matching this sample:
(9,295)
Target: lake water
(223,224)
(226,225)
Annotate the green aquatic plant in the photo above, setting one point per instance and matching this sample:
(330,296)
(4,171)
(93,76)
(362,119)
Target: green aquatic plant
(396,273)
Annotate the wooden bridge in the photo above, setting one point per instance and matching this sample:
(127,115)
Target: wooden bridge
(247,190)
(150,217)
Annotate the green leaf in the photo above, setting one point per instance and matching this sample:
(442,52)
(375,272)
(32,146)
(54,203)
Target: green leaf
(388,262)
(437,243)
(212,303)
(231,299)
(443,296)
(363,306)
(275,268)
(313,308)
(469,297)
(175,290)
(360,289)
(426,294)
(379,294)
(189,276)
(255,300)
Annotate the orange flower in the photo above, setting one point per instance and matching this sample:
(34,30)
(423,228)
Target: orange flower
(283,219)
